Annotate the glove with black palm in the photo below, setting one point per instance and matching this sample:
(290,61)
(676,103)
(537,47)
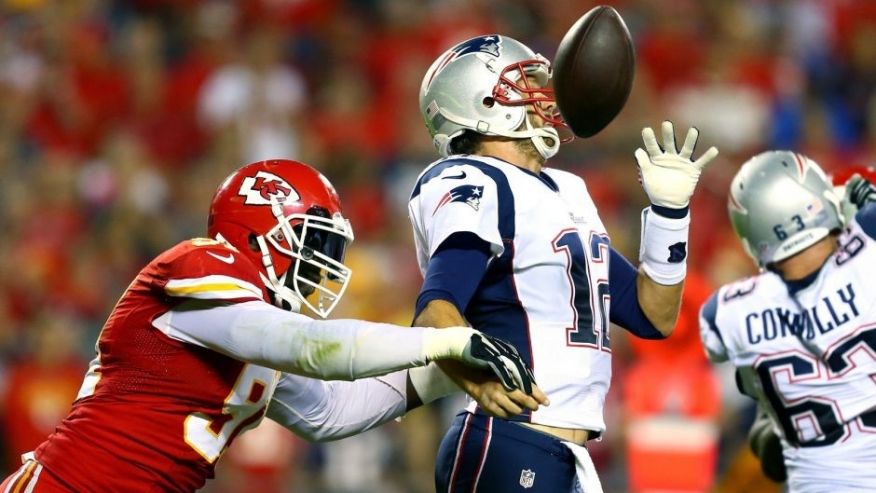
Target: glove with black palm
(503,359)
(859,193)
(479,350)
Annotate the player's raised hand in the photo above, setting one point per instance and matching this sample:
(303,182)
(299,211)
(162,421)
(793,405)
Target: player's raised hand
(670,176)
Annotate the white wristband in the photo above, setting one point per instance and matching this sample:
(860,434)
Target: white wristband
(663,247)
(431,383)
(446,343)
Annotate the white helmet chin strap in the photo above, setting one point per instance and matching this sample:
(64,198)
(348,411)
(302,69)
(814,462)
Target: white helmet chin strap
(277,285)
(282,293)
(539,136)
(290,291)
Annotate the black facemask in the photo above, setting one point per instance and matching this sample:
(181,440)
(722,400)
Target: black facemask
(328,243)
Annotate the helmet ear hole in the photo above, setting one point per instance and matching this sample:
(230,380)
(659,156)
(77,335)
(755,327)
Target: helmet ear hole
(253,244)
(489,102)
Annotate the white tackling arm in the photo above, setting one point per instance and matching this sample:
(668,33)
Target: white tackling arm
(322,411)
(262,334)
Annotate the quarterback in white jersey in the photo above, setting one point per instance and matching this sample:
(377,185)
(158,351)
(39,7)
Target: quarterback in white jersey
(548,294)
(802,334)
(517,250)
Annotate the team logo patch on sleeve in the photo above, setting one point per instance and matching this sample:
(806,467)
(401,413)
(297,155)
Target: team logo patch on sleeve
(677,252)
(467,194)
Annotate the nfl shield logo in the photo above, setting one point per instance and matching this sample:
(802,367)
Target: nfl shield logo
(527,477)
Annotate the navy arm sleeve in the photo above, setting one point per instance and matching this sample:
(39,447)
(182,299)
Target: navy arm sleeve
(709,313)
(866,217)
(455,271)
(625,310)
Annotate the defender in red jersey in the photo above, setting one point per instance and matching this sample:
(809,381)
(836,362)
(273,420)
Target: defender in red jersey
(207,340)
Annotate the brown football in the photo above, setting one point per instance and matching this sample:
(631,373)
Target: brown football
(594,70)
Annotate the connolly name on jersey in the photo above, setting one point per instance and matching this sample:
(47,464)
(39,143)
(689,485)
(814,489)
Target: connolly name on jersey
(834,310)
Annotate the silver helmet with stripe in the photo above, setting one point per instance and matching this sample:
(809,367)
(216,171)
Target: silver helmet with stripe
(781,203)
(487,84)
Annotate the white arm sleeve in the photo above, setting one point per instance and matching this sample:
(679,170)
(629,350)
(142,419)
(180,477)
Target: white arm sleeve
(322,411)
(259,333)
(431,383)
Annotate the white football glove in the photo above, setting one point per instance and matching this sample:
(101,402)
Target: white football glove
(668,176)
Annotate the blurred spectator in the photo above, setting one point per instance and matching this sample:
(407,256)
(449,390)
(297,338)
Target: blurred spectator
(41,384)
(253,101)
(260,460)
(672,404)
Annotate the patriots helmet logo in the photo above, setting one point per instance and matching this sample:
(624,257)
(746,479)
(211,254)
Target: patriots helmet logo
(491,45)
(483,44)
(467,194)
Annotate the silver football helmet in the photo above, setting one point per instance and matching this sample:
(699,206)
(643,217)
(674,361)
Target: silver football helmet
(481,84)
(781,203)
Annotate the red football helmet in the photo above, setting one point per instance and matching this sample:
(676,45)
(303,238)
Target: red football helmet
(286,217)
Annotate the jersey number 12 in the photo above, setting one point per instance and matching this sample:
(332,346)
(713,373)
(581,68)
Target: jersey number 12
(590,305)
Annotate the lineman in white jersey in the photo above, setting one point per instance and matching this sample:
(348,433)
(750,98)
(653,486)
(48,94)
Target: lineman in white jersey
(802,334)
(517,250)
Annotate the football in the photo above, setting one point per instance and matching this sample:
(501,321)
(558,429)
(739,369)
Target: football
(593,71)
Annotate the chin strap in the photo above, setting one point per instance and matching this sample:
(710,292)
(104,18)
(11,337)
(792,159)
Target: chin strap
(540,136)
(283,297)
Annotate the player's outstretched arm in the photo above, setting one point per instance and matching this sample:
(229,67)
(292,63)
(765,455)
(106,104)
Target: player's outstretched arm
(493,397)
(321,411)
(669,177)
(262,334)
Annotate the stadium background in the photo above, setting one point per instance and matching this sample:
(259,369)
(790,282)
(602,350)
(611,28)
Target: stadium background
(118,119)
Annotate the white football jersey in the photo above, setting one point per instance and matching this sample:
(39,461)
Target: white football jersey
(546,287)
(810,359)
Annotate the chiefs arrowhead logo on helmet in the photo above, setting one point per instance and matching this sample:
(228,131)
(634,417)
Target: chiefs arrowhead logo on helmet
(297,243)
(265,188)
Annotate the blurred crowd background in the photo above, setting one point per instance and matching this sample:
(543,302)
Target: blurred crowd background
(118,119)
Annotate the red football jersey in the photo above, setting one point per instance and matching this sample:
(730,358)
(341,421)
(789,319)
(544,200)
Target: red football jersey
(155,413)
